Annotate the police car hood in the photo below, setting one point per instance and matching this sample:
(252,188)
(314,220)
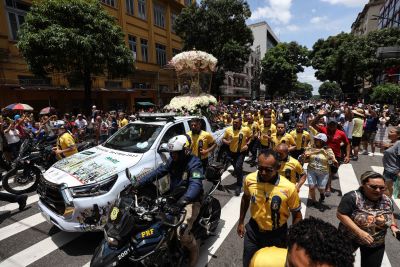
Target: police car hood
(90,166)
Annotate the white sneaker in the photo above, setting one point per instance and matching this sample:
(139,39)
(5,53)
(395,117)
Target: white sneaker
(365,152)
(371,154)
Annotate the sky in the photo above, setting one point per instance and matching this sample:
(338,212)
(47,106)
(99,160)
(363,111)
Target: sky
(306,21)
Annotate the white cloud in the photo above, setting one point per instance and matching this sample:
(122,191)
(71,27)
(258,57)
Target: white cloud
(308,77)
(348,3)
(292,28)
(313,10)
(316,20)
(276,11)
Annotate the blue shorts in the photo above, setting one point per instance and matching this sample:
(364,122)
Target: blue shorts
(317,178)
(389,176)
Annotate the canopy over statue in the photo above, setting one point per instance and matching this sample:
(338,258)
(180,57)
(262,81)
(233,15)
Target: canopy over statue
(194,70)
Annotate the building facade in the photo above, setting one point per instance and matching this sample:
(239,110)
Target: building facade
(239,85)
(147,25)
(264,39)
(389,15)
(366,20)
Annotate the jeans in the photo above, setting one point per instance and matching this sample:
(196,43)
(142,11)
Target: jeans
(254,239)
(317,178)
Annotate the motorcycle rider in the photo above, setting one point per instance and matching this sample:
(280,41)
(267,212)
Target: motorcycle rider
(65,145)
(184,169)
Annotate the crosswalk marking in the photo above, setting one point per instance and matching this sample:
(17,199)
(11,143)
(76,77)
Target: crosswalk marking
(349,182)
(40,249)
(14,206)
(21,225)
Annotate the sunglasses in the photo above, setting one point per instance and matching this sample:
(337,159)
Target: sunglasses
(375,187)
(266,169)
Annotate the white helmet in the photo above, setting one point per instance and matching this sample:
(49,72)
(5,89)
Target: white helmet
(286,110)
(179,143)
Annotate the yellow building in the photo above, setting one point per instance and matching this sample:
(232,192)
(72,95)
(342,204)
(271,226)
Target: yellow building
(148,28)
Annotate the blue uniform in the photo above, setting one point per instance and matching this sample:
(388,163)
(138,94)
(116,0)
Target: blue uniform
(192,166)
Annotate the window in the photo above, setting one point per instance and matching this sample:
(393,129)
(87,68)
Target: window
(142,9)
(175,130)
(145,53)
(173,18)
(130,7)
(132,45)
(16,16)
(159,16)
(109,2)
(161,54)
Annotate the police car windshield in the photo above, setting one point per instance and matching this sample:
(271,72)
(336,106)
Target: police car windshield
(134,138)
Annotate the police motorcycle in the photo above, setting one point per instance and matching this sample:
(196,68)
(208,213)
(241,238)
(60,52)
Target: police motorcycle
(142,226)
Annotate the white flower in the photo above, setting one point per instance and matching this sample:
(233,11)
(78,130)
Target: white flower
(194,61)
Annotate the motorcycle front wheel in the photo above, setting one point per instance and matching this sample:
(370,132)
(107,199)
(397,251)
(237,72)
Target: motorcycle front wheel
(21,180)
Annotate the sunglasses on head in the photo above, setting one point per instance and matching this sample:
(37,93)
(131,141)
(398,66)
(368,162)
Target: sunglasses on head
(375,187)
(266,169)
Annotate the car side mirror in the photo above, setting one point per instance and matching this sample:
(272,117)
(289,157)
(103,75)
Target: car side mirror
(163,148)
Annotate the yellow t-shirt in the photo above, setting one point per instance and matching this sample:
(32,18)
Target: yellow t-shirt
(237,136)
(269,257)
(122,123)
(286,138)
(319,159)
(254,129)
(271,204)
(302,139)
(291,169)
(203,140)
(65,141)
(264,132)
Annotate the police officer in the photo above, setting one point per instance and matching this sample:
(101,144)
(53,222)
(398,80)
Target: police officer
(186,170)
(267,131)
(283,137)
(203,143)
(302,139)
(290,167)
(65,145)
(272,198)
(238,139)
(253,145)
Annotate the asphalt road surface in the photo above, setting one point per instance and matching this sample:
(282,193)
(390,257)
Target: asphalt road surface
(26,239)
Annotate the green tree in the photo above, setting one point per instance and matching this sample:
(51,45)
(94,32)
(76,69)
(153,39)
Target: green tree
(218,27)
(303,90)
(387,93)
(330,90)
(75,37)
(281,65)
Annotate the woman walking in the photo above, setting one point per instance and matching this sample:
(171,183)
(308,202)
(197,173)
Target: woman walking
(365,215)
(319,159)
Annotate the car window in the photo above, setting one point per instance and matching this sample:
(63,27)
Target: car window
(174,130)
(134,138)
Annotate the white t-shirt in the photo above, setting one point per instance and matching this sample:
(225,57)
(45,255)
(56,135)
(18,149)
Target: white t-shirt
(81,123)
(12,136)
(348,129)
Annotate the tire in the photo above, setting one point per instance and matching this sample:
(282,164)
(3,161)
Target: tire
(10,177)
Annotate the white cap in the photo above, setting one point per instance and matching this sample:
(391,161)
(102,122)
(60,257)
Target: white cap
(321,137)
(94,107)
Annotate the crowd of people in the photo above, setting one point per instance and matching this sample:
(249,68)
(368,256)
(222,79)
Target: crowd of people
(277,138)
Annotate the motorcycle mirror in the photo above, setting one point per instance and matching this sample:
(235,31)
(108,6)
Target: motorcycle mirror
(163,148)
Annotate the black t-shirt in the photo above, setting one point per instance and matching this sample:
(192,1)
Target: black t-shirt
(347,204)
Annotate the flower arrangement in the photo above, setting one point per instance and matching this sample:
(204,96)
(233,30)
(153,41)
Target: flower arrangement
(191,105)
(193,61)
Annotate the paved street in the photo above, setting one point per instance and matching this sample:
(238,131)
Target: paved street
(26,239)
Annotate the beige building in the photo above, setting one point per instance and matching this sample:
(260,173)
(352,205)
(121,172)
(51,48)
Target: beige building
(366,20)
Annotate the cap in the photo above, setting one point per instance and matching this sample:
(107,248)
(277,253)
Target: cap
(322,137)
(17,117)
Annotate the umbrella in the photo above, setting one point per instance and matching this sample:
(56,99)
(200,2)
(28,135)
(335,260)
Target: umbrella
(47,110)
(19,106)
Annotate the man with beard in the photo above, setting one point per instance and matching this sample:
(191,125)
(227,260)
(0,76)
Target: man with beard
(267,131)
(202,142)
(302,139)
(253,146)
(283,137)
(238,139)
(272,198)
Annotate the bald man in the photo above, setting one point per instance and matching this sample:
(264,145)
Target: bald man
(290,167)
